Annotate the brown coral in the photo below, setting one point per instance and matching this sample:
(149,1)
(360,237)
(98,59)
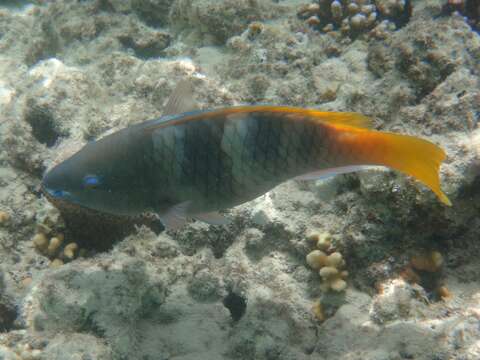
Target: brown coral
(468,8)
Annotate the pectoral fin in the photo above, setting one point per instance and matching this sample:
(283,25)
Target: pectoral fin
(175,217)
(212,218)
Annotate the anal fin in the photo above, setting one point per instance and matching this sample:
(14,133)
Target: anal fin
(330,172)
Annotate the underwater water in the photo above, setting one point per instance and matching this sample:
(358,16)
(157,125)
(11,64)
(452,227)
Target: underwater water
(231,257)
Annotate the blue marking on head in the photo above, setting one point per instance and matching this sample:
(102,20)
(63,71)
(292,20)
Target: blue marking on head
(90,181)
(58,194)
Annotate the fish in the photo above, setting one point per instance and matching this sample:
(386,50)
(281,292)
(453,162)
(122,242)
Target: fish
(193,163)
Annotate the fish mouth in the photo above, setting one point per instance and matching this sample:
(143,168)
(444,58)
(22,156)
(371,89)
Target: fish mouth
(51,185)
(55,193)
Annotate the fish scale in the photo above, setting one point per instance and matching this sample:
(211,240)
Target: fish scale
(254,168)
(229,146)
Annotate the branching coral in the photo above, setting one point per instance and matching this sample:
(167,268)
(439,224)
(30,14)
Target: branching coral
(354,17)
(468,8)
(425,269)
(53,246)
(330,266)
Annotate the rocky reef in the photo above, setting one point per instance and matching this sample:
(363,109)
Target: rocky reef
(366,265)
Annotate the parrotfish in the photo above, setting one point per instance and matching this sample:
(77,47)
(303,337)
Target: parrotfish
(193,163)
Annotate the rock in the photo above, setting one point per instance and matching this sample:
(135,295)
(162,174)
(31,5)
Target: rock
(74,71)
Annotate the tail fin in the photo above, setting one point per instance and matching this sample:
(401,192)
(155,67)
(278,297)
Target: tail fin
(408,154)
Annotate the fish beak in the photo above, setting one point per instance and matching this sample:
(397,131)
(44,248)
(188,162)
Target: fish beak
(55,193)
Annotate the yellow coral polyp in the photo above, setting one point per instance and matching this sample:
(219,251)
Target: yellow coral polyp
(430,262)
(328,273)
(4,217)
(40,242)
(338,285)
(324,241)
(335,260)
(56,263)
(316,259)
(54,245)
(318,312)
(330,267)
(70,250)
(444,293)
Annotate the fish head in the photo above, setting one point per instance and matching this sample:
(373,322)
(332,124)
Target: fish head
(69,182)
(98,177)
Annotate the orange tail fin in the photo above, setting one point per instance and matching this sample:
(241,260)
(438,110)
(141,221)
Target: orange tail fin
(408,154)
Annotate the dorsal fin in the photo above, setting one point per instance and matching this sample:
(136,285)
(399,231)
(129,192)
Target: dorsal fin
(181,99)
(351,119)
(333,118)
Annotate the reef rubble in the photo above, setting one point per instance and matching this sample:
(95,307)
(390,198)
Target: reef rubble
(70,72)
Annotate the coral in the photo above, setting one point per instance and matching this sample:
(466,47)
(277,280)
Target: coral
(431,262)
(25,352)
(354,17)
(329,266)
(70,251)
(444,293)
(425,269)
(399,10)
(322,240)
(51,244)
(54,245)
(40,241)
(318,311)
(468,8)
(55,263)
(316,259)
(4,217)
(216,21)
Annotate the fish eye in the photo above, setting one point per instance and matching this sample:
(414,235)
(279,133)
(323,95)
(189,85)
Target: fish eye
(91,181)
